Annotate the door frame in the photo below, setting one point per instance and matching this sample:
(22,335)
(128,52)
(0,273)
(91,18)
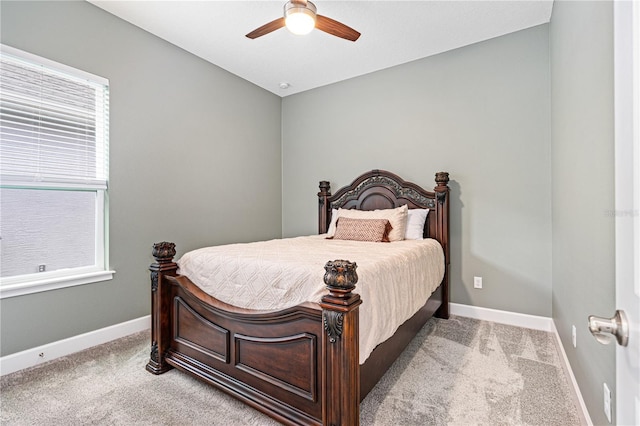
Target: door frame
(626,213)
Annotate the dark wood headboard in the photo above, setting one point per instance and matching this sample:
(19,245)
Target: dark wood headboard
(380,189)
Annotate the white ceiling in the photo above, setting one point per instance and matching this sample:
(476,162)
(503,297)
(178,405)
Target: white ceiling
(393,33)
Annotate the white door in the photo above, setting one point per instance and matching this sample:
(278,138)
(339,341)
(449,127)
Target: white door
(627,208)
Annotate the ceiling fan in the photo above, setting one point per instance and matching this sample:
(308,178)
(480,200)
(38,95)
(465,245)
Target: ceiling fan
(300,17)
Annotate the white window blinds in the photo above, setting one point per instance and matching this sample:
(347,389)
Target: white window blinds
(53,124)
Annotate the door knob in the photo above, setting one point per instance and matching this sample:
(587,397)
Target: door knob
(604,329)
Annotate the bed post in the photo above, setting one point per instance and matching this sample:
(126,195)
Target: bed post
(160,309)
(323,207)
(442,213)
(340,342)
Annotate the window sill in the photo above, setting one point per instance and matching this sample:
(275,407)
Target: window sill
(13,289)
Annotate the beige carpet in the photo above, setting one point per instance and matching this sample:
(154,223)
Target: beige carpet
(456,372)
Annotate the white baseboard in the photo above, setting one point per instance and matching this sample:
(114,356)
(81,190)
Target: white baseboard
(527,321)
(50,351)
(503,317)
(585,413)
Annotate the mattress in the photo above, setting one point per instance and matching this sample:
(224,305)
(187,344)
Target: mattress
(394,279)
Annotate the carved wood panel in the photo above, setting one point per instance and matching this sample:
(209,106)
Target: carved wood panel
(190,328)
(273,360)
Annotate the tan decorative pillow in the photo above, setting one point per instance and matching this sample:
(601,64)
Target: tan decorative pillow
(374,230)
(397,217)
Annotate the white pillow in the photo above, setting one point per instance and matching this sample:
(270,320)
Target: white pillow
(332,225)
(415,224)
(397,217)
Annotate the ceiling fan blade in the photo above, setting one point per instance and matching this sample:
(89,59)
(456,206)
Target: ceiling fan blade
(336,28)
(267,28)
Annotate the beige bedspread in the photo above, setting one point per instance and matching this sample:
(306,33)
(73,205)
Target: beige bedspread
(395,279)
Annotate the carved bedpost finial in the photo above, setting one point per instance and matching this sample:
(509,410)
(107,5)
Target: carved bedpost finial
(442,178)
(325,187)
(164,251)
(441,189)
(340,276)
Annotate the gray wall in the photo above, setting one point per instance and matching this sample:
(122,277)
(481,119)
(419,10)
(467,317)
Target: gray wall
(581,40)
(188,139)
(481,113)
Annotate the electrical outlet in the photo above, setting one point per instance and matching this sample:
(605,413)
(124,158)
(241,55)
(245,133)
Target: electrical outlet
(573,335)
(42,268)
(477,282)
(607,402)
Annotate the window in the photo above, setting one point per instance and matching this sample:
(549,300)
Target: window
(54,134)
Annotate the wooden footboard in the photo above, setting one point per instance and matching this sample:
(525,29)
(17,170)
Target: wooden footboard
(298,365)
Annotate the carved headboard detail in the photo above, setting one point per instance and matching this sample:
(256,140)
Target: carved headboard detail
(380,189)
(360,196)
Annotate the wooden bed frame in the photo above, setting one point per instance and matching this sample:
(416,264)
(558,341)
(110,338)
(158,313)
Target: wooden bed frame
(298,365)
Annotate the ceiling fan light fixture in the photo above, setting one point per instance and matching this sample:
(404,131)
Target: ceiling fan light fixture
(300,19)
